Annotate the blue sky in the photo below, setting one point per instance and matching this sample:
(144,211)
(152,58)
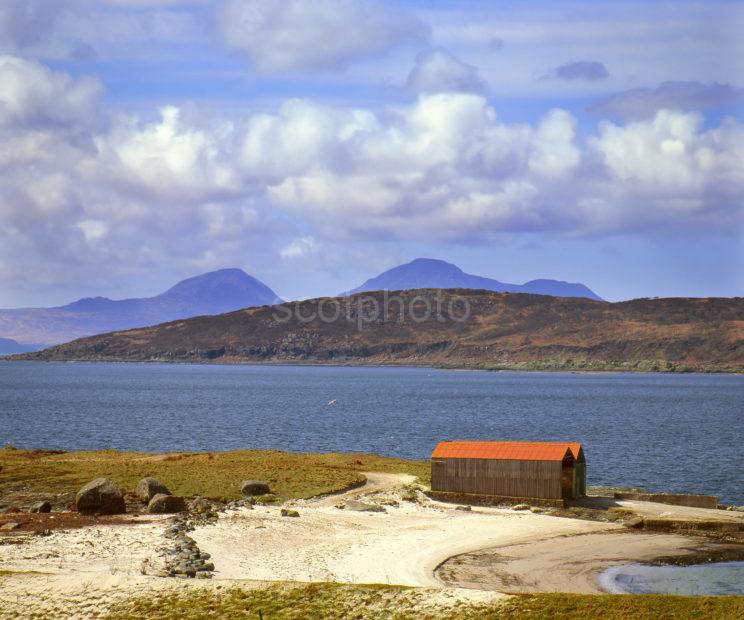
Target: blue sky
(317,143)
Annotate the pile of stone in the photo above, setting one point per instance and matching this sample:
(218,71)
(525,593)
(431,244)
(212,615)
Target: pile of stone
(184,559)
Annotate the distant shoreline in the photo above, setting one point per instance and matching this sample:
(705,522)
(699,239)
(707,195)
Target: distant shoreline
(318,363)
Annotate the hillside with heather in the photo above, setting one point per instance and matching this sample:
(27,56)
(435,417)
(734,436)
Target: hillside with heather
(448,328)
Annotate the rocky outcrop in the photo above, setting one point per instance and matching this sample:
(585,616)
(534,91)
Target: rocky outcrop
(166,504)
(147,488)
(100,496)
(255,487)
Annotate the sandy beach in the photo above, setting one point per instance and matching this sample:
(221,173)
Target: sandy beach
(475,555)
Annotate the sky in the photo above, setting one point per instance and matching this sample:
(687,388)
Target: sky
(316,143)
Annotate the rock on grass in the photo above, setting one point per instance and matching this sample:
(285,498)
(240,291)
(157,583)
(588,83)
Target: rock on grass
(100,496)
(255,487)
(147,488)
(166,504)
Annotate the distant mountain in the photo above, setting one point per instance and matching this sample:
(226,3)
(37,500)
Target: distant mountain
(9,347)
(431,273)
(458,328)
(210,293)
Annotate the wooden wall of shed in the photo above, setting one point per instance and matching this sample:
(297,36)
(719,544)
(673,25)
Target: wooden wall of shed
(497,477)
(580,479)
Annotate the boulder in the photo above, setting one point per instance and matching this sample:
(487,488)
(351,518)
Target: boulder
(100,496)
(147,488)
(41,507)
(362,507)
(166,504)
(464,508)
(255,487)
(521,507)
(286,512)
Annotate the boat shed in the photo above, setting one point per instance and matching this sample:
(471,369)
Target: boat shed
(509,469)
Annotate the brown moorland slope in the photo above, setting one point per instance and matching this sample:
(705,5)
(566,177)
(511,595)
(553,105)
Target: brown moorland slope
(450,328)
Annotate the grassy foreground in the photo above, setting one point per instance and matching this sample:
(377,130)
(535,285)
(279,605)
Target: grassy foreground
(329,600)
(215,475)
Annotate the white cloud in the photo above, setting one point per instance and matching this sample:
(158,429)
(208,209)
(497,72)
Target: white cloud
(446,167)
(666,151)
(32,94)
(295,35)
(554,153)
(300,247)
(93,230)
(439,71)
(172,159)
(184,189)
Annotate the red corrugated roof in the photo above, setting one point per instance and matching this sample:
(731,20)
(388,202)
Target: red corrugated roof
(505,450)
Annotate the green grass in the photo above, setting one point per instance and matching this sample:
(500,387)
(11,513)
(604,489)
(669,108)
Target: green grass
(331,600)
(215,475)
(620,607)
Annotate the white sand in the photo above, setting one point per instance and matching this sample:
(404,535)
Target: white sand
(403,546)
(84,570)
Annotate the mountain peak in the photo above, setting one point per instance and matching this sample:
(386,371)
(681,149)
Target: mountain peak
(435,273)
(220,291)
(216,292)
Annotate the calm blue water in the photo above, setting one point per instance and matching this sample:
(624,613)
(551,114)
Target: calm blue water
(719,578)
(682,433)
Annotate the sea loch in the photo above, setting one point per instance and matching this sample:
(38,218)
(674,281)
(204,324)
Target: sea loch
(662,432)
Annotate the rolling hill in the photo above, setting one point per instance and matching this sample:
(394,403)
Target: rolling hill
(451,328)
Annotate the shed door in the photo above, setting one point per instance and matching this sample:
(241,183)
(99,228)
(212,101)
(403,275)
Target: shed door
(568,475)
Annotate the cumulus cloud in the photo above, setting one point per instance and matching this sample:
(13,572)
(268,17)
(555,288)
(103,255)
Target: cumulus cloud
(688,96)
(439,71)
(446,167)
(591,71)
(295,35)
(33,95)
(172,159)
(132,192)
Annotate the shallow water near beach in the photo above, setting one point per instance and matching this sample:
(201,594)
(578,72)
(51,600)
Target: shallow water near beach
(719,578)
(662,432)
